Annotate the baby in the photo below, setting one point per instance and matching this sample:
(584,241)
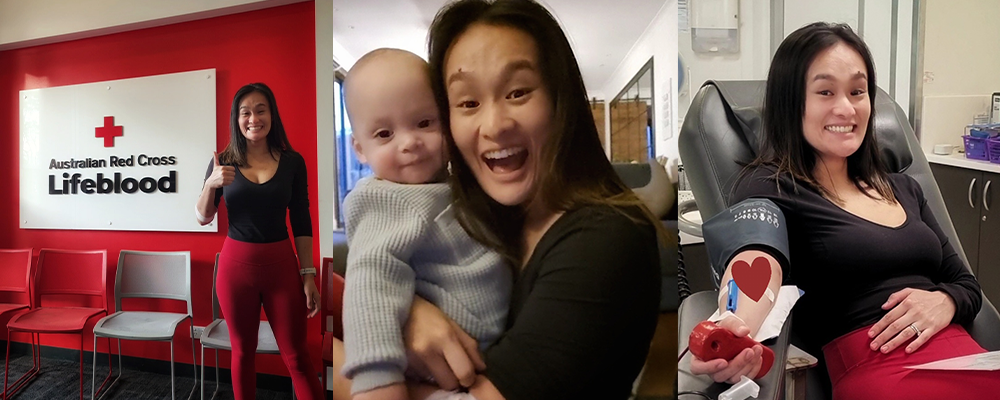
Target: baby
(402,234)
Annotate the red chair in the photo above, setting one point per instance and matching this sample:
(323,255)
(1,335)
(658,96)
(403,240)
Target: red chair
(15,277)
(332,308)
(59,276)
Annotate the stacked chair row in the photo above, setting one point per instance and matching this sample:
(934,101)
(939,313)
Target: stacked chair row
(82,275)
(59,274)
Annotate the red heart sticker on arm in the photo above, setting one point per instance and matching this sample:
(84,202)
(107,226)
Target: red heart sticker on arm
(752,278)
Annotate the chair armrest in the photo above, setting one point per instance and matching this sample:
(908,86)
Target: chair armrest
(211,327)
(984,329)
(669,293)
(100,322)
(699,307)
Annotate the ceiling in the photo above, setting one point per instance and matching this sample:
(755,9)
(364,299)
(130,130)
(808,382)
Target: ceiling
(601,31)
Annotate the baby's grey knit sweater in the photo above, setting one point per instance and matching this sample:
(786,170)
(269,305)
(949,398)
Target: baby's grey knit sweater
(404,240)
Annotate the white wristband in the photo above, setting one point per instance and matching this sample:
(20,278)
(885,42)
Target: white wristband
(309,270)
(201,218)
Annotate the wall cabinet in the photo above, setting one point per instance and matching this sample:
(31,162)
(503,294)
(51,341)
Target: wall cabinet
(969,195)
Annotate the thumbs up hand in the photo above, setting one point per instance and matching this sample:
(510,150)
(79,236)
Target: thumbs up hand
(222,175)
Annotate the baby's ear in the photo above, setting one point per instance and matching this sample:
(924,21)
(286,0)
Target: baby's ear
(357,150)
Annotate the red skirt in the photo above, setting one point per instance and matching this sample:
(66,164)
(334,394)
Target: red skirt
(859,373)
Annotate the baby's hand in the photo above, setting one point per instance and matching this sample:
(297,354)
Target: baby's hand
(396,391)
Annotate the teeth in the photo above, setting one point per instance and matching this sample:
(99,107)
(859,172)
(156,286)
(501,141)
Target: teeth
(840,128)
(504,153)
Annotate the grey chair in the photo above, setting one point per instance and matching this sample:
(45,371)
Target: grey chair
(216,336)
(150,275)
(720,134)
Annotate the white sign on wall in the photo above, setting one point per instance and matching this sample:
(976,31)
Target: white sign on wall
(128,154)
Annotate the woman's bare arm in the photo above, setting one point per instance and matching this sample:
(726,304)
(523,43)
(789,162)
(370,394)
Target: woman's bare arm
(750,314)
(751,263)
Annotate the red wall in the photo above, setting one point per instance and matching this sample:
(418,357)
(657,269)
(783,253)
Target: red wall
(275,46)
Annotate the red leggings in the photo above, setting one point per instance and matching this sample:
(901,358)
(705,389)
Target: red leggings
(255,274)
(858,373)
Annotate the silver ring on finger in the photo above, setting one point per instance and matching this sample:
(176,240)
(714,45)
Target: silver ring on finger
(916,331)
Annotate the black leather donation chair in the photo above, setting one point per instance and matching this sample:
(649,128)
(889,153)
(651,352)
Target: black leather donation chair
(721,131)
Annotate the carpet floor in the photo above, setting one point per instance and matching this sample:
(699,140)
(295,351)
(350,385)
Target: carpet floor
(60,380)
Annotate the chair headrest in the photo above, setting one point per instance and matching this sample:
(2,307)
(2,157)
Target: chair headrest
(744,100)
(650,183)
(721,133)
(633,175)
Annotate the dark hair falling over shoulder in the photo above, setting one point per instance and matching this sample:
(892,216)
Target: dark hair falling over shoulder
(235,152)
(577,172)
(783,144)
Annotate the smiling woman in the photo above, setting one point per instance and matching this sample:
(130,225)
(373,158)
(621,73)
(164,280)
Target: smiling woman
(501,113)
(886,289)
(263,181)
(836,101)
(532,181)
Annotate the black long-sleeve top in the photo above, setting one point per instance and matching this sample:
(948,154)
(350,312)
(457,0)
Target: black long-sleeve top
(848,266)
(257,210)
(583,311)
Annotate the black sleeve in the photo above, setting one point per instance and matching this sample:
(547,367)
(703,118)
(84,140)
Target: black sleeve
(585,327)
(762,183)
(298,207)
(751,224)
(953,277)
(218,192)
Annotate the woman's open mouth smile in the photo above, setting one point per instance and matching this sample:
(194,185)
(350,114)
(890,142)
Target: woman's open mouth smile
(505,160)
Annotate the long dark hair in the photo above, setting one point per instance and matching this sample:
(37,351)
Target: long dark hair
(783,145)
(235,152)
(577,171)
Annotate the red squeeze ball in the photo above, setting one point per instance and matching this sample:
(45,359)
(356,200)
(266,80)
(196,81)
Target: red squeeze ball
(709,341)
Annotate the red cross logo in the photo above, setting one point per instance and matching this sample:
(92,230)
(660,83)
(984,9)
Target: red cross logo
(109,131)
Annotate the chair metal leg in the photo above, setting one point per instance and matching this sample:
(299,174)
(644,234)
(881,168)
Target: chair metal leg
(6,367)
(110,370)
(173,396)
(120,365)
(202,372)
(81,361)
(93,370)
(21,382)
(194,365)
(216,392)
(93,373)
(36,350)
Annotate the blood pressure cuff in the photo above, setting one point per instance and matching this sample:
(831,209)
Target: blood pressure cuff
(752,224)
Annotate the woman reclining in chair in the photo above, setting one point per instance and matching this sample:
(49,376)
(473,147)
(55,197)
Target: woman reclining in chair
(884,288)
